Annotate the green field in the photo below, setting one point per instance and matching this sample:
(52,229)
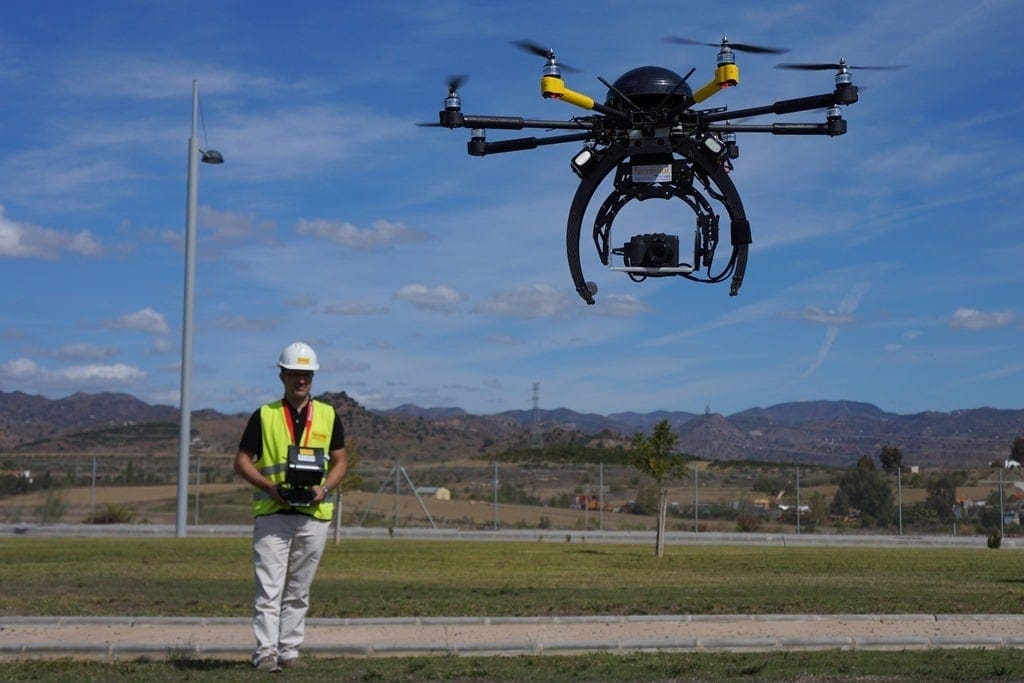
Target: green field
(945,665)
(364,578)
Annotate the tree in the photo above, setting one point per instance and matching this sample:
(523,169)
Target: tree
(654,455)
(891,458)
(1017,449)
(942,494)
(352,480)
(817,513)
(865,489)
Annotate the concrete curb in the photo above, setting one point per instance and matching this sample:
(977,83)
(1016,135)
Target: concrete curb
(829,540)
(178,636)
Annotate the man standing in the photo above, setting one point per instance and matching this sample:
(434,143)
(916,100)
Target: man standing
(288,538)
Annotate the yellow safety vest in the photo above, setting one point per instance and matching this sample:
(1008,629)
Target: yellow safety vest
(273,461)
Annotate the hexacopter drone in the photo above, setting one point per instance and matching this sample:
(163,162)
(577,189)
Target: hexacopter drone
(659,147)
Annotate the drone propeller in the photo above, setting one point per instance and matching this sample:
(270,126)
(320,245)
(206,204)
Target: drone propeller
(456,82)
(738,47)
(835,67)
(547,53)
(452,101)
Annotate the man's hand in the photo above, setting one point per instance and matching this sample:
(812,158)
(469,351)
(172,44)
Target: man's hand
(272,490)
(320,494)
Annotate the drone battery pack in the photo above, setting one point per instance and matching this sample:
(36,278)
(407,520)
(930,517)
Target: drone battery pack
(305,466)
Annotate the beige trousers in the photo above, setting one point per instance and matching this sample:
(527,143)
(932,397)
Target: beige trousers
(287,550)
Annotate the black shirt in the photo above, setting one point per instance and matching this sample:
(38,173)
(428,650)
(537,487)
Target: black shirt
(252,437)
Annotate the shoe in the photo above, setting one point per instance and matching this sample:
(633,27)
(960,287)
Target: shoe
(293,663)
(268,664)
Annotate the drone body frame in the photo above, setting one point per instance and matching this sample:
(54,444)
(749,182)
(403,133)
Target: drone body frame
(658,146)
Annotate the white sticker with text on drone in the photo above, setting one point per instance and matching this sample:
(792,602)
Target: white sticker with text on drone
(652,173)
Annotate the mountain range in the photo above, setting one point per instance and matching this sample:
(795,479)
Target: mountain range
(822,432)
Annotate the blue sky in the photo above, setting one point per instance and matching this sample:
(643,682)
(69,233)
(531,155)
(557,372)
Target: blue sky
(885,265)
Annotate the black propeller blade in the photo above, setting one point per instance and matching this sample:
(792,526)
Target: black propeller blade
(546,53)
(453,83)
(456,82)
(836,67)
(739,47)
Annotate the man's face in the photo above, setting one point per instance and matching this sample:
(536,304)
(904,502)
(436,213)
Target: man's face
(297,384)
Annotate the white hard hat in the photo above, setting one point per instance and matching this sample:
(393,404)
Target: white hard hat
(298,356)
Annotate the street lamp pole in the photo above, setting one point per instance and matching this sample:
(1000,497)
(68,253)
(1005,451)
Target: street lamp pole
(185,434)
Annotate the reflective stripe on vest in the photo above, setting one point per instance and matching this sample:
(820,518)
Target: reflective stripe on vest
(273,460)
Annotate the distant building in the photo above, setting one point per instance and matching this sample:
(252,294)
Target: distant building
(435,492)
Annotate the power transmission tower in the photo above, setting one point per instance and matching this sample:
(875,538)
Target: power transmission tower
(536,440)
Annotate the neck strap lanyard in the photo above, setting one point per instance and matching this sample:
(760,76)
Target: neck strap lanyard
(286,411)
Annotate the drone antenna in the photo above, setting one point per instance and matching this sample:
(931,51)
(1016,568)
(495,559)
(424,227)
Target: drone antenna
(678,86)
(619,93)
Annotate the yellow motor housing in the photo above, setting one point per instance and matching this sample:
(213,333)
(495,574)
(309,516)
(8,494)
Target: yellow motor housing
(726,76)
(552,87)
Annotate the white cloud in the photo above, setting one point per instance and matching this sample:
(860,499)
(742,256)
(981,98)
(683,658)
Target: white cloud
(505,340)
(302,301)
(162,345)
(19,369)
(619,306)
(118,372)
(138,77)
(973,319)
(306,139)
(441,298)
(380,234)
(814,314)
(230,226)
(245,324)
(346,365)
(355,309)
(23,240)
(83,179)
(144,320)
(998,374)
(842,316)
(526,301)
(92,375)
(85,351)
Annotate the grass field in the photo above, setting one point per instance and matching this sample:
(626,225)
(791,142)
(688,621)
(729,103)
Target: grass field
(946,665)
(362,578)
(365,578)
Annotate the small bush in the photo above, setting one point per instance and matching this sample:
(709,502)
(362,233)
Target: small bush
(53,508)
(748,521)
(995,539)
(113,514)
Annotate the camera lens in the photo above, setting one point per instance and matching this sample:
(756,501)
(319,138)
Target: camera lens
(659,253)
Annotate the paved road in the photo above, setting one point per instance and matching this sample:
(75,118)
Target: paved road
(117,638)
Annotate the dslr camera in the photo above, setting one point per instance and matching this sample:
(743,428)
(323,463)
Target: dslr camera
(655,250)
(305,469)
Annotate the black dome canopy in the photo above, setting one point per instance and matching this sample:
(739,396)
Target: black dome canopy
(648,86)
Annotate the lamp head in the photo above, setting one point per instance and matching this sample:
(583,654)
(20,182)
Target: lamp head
(212,156)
